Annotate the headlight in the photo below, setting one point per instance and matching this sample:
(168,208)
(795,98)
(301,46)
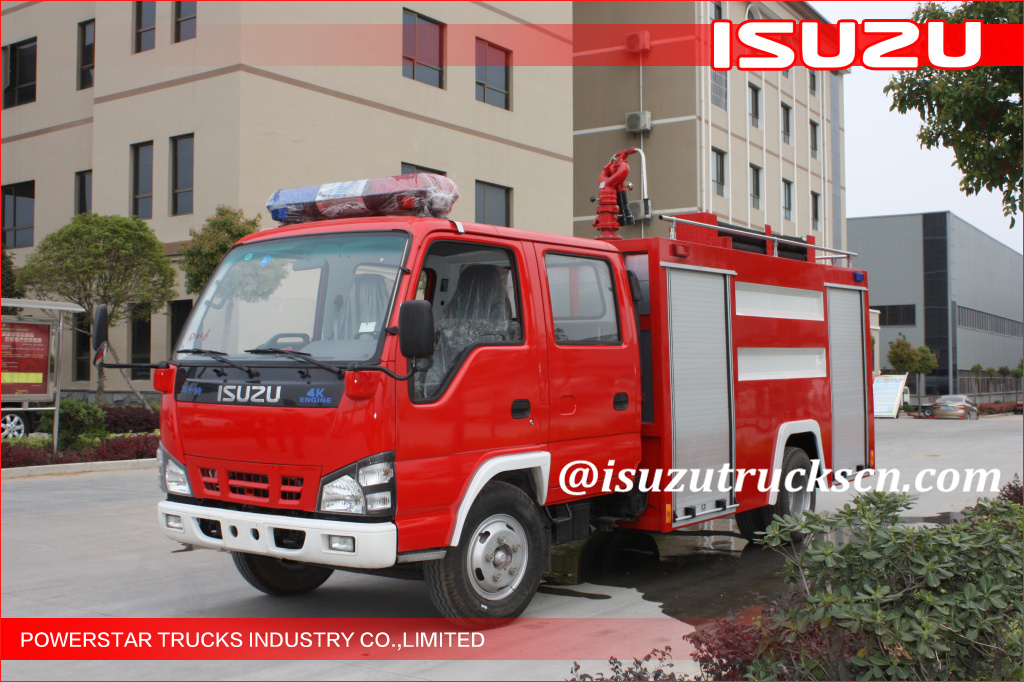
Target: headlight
(173,477)
(366,487)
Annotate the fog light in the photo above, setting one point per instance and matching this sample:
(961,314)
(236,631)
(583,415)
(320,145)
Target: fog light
(174,522)
(341,543)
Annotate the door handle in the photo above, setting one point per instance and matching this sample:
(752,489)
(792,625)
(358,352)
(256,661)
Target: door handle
(621,401)
(520,409)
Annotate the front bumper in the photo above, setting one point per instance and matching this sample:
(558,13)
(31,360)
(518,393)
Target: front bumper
(376,544)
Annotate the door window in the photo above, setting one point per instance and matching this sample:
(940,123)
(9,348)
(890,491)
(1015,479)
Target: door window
(583,308)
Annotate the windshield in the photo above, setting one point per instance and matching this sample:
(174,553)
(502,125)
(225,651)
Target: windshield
(328,295)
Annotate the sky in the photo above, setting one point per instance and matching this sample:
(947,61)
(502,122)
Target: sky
(887,172)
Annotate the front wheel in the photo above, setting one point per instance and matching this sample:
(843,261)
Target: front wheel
(14,425)
(496,568)
(280,577)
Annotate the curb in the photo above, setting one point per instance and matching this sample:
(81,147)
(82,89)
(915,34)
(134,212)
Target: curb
(77,468)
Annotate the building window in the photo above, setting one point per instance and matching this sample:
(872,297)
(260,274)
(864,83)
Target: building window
(754,93)
(83,357)
(145,26)
(493,204)
(815,211)
(19,210)
(812,83)
(184,21)
(787,123)
(179,311)
(716,11)
(182,155)
(86,53)
(83,192)
(786,73)
(896,315)
(20,75)
(755,186)
(987,322)
(141,335)
(787,199)
(422,49)
(410,168)
(814,140)
(718,171)
(492,66)
(720,89)
(142,180)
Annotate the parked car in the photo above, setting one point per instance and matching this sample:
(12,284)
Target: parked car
(15,423)
(954,407)
(1019,407)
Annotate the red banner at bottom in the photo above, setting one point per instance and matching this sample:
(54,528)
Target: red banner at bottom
(538,639)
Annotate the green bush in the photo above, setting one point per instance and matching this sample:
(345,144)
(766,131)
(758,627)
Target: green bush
(82,424)
(880,600)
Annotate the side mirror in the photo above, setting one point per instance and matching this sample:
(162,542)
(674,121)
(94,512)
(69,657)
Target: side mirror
(416,329)
(99,333)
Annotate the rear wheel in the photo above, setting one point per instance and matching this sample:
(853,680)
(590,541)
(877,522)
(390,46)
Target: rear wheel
(14,425)
(280,577)
(496,568)
(796,467)
(926,411)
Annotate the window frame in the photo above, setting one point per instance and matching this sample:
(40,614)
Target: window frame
(142,31)
(718,171)
(485,84)
(508,202)
(86,64)
(13,85)
(787,123)
(136,196)
(175,189)
(754,104)
(787,199)
(179,19)
(407,168)
(814,139)
(614,299)
(815,211)
(514,256)
(416,63)
(812,83)
(755,186)
(14,229)
(81,344)
(81,190)
(137,355)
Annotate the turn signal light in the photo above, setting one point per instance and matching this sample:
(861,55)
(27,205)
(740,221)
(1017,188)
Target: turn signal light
(163,380)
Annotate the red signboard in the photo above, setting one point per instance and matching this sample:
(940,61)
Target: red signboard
(25,355)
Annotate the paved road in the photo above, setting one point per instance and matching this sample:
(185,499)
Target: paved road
(87,546)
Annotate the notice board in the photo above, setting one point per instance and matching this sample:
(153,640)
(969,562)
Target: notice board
(888,394)
(25,356)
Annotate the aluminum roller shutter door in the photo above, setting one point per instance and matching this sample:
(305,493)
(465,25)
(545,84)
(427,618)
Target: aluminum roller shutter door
(701,396)
(846,367)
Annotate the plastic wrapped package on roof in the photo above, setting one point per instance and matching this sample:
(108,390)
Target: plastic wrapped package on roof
(417,194)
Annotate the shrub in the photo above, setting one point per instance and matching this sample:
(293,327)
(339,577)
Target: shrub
(895,601)
(637,671)
(995,408)
(77,418)
(112,449)
(131,419)
(1012,491)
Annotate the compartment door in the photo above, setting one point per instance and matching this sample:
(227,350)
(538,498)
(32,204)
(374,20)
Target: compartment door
(848,376)
(700,359)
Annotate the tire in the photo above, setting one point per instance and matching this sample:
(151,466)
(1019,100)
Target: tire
(280,577)
(14,425)
(497,566)
(926,411)
(787,503)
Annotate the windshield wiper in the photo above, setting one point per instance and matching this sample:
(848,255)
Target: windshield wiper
(218,355)
(297,355)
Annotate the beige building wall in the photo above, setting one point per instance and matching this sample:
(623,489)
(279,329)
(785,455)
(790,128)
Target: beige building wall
(687,126)
(281,95)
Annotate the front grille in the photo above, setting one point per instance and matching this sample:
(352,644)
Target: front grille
(264,485)
(249,485)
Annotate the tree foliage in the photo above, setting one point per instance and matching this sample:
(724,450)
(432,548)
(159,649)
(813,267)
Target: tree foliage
(902,356)
(208,246)
(11,288)
(976,112)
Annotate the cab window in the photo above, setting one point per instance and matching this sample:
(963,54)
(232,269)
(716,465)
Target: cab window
(582,300)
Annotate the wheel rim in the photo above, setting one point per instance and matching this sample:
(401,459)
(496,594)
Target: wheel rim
(12,426)
(497,557)
(800,500)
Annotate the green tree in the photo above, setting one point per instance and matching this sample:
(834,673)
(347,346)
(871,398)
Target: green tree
(905,359)
(11,288)
(1018,371)
(201,256)
(98,259)
(1003,371)
(974,112)
(977,369)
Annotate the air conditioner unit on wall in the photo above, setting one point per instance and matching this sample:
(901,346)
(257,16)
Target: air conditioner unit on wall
(638,122)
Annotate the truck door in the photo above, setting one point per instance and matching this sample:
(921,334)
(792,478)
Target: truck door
(482,395)
(593,362)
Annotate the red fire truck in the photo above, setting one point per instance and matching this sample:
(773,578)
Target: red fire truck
(374,384)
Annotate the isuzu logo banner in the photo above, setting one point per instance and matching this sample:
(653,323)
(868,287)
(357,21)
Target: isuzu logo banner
(261,395)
